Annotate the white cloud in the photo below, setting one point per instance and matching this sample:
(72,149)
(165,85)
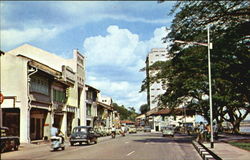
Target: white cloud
(123,92)
(67,15)
(123,50)
(109,10)
(12,37)
(121,47)
(117,48)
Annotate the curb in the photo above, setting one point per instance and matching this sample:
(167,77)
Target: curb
(204,152)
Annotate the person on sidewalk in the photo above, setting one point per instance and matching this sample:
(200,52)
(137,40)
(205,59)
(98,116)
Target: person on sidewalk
(207,132)
(201,128)
(215,129)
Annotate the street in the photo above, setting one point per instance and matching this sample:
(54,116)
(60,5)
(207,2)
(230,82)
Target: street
(140,146)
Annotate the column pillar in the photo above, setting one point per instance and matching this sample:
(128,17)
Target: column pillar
(24,125)
(64,124)
(47,125)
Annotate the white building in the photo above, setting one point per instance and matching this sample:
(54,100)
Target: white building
(41,88)
(155,89)
(155,118)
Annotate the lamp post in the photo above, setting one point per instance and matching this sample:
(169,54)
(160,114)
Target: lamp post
(209,46)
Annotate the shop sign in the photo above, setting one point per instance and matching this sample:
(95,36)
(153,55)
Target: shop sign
(1,98)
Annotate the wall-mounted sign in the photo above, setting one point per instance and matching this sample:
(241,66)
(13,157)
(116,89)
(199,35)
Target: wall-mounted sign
(1,98)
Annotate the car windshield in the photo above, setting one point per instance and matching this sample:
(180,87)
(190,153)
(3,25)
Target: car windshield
(84,130)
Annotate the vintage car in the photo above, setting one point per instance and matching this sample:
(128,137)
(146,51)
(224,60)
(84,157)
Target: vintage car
(168,131)
(83,134)
(132,130)
(8,142)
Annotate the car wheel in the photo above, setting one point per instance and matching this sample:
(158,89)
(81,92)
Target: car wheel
(88,142)
(95,140)
(63,148)
(15,146)
(2,149)
(72,143)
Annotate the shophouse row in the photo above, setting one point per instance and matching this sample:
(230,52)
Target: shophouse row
(41,89)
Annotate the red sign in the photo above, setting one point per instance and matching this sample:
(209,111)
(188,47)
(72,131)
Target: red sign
(1,98)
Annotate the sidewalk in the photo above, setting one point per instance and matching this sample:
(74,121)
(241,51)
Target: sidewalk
(222,150)
(228,152)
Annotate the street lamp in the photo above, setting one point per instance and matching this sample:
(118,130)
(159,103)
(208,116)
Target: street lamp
(209,46)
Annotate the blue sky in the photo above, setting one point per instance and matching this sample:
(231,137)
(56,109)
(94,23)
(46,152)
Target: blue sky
(114,36)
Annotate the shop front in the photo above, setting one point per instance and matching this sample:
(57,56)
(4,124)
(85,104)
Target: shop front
(71,118)
(37,123)
(11,119)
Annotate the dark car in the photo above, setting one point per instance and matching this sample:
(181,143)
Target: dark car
(83,134)
(8,142)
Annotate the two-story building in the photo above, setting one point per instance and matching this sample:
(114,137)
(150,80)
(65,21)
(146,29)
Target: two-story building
(91,104)
(40,89)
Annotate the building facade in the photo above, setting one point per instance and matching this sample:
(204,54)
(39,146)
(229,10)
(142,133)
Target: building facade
(42,89)
(154,118)
(92,95)
(155,89)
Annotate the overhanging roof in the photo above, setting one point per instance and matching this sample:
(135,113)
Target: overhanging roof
(177,111)
(92,87)
(46,69)
(104,106)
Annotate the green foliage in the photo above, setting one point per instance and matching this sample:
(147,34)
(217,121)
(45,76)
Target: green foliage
(144,108)
(125,114)
(243,145)
(186,73)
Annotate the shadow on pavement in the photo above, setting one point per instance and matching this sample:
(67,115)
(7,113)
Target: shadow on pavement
(186,139)
(154,140)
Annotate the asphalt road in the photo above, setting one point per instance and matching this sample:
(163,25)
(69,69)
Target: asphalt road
(140,146)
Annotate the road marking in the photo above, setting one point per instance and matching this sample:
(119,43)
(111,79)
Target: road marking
(126,142)
(130,153)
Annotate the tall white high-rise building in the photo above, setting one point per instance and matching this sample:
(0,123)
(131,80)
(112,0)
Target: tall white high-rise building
(155,89)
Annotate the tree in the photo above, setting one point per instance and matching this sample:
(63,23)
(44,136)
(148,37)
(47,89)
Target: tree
(125,114)
(185,74)
(144,108)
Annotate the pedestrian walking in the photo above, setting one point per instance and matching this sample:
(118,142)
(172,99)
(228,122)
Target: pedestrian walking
(207,132)
(215,129)
(201,129)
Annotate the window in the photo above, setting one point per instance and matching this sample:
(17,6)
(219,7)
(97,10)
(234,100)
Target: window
(89,95)
(58,96)
(39,85)
(88,109)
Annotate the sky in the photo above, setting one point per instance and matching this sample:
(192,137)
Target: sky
(114,36)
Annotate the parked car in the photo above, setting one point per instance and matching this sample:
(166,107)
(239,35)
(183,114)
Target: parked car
(168,131)
(139,129)
(147,129)
(8,142)
(83,134)
(132,130)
